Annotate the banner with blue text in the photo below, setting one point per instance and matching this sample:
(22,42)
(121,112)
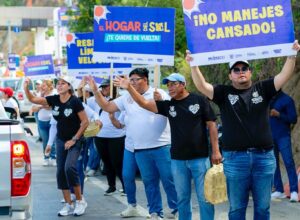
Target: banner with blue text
(221,31)
(80,47)
(136,35)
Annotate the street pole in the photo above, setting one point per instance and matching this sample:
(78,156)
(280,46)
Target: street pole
(9,37)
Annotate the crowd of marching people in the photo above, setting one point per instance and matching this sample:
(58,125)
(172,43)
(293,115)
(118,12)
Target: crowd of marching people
(164,135)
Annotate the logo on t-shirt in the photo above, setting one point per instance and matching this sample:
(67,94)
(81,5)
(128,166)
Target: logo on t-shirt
(256,98)
(194,108)
(233,98)
(172,111)
(68,111)
(55,111)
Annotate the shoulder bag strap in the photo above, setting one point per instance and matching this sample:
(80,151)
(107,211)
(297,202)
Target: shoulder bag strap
(243,126)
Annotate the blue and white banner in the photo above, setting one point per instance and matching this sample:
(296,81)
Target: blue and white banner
(98,79)
(221,31)
(39,66)
(80,47)
(12,61)
(136,35)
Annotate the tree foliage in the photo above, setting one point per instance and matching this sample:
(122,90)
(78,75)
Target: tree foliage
(12,2)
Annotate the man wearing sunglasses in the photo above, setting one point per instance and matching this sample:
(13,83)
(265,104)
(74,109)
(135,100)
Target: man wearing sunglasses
(249,162)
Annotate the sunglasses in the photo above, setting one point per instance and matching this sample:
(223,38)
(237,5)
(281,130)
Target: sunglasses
(237,70)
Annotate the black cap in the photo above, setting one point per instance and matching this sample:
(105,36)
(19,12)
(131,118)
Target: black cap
(104,82)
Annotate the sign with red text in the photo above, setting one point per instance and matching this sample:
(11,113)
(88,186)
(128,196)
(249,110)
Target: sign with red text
(39,66)
(136,35)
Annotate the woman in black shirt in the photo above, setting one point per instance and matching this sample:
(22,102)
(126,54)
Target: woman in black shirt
(72,120)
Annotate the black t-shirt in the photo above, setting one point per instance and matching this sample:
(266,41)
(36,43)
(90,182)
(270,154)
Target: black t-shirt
(187,119)
(66,115)
(252,107)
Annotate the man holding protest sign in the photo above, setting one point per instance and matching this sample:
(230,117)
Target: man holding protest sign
(249,162)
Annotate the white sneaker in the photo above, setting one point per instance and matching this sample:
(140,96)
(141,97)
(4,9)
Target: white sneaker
(66,210)
(80,207)
(91,173)
(278,195)
(87,169)
(122,192)
(154,216)
(294,197)
(46,162)
(131,211)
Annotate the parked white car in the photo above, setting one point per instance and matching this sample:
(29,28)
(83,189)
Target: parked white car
(15,174)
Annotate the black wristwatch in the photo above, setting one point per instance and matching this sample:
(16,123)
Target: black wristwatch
(74,138)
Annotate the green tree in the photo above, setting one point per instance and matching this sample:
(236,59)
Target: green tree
(12,2)
(84,22)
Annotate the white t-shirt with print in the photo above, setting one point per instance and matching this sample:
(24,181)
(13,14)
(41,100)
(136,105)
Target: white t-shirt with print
(146,129)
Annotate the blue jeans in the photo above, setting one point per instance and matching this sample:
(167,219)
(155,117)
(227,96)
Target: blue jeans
(79,165)
(93,156)
(67,174)
(249,170)
(129,172)
(44,128)
(155,164)
(283,145)
(184,171)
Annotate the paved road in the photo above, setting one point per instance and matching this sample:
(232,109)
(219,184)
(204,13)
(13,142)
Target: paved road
(46,198)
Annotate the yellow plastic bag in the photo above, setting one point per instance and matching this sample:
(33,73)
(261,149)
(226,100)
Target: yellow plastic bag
(215,185)
(92,130)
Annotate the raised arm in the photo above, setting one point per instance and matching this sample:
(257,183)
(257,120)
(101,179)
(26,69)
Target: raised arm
(287,70)
(124,83)
(32,98)
(80,88)
(107,106)
(199,80)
